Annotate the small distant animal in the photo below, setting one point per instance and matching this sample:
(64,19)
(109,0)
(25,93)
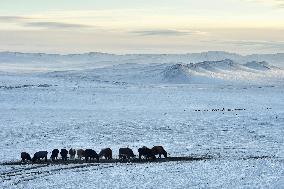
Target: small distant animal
(64,154)
(106,152)
(25,156)
(126,153)
(40,155)
(147,153)
(72,153)
(54,154)
(159,150)
(92,154)
(80,153)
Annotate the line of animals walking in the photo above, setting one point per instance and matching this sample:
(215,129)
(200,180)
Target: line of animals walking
(90,154)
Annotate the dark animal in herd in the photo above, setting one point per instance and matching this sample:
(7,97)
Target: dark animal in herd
(106,152)
(126,153)
(159,150)
(80,153)
(64,154)
(146,153)
(25,156)
(72,153)
(40,155)
(54,154)
(92,154)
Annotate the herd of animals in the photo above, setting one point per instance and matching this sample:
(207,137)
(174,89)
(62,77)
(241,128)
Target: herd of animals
(90,154)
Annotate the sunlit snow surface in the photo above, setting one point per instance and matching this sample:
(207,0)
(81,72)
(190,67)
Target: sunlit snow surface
(136,105)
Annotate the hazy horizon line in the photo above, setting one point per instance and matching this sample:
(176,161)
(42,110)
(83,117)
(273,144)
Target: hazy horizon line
(121,54)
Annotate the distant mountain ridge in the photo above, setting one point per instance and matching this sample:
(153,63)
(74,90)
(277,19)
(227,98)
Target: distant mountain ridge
(30,62)
(91,58)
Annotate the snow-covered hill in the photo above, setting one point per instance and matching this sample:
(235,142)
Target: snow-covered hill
(223,71)
(263,66)
(195,68)
(27,62)
(207,72)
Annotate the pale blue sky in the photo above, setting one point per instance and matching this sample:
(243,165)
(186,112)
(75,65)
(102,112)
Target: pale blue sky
(142,26)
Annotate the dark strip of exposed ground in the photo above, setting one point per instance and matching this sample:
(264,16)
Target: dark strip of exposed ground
(135,160)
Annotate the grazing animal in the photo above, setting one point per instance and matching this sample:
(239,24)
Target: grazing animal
(72,153)
(64,154)
(106,152)
(159,150)
(80,153)
(25,156)
(40,155)
(147,153)
(126,153)
(92,154)
(54,154)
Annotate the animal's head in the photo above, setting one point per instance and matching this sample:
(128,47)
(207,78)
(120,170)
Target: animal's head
(101,154)
(165,154)
(72,151)
(29,157)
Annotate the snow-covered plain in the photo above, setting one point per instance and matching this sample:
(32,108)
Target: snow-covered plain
(112,102)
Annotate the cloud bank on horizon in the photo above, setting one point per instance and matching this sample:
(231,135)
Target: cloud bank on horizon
(135,26)
(276,3)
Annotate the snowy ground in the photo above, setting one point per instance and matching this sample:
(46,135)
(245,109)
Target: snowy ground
(44,111)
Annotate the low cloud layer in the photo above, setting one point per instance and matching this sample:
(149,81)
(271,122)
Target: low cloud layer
(266,44)
(161,32)
(275,3)
(279,3)
(255,44)
(36,22)
(12,18)
(58,25)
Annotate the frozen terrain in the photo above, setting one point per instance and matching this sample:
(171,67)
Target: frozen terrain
(100,100)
